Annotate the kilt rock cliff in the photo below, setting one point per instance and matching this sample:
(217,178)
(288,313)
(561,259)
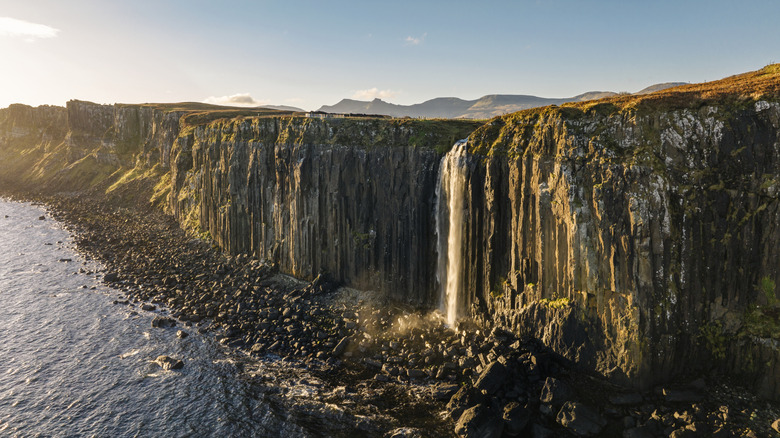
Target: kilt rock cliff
(638,236)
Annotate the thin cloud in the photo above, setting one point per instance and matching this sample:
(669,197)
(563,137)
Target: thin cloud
(240,99)
(11,27)
(415,41)
(374,93)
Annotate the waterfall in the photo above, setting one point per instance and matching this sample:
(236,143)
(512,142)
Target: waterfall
(450,193)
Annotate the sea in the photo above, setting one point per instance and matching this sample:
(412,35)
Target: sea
(75,362)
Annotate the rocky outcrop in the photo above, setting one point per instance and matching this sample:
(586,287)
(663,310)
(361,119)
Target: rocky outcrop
(284,190)
(632,242)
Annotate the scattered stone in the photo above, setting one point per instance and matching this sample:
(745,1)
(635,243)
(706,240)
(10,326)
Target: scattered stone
(683,432)
(163,322)
(444,391)
(40,218)
(111,277)
(169,363)
(406,432)
(148,307)
(181,334)
(339,349)
(776,425)
(580,419)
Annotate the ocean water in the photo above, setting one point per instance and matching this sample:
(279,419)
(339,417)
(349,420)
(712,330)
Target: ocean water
(73,363)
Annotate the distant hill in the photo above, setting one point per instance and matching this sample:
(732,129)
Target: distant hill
(283,108)
(659,87)
(483,108)
(454,108)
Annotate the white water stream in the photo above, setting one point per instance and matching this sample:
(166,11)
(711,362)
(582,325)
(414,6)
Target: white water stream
(450,213)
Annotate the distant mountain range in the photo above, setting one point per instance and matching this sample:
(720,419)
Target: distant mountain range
(483,108)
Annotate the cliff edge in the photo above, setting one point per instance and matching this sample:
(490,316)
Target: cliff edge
(636,235)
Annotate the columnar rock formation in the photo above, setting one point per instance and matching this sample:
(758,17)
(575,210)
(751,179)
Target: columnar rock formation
(642,240)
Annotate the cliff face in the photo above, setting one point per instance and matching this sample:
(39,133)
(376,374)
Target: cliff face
(641,241)
(360,213)
(641,244)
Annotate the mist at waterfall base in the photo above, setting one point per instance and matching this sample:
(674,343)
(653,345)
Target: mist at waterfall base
(450,192)
(76,364)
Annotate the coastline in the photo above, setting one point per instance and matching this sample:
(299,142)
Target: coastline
(402,369)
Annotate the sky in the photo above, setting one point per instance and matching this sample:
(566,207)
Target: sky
(313,53)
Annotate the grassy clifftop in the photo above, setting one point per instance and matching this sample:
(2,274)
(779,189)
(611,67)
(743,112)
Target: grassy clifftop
(516,133)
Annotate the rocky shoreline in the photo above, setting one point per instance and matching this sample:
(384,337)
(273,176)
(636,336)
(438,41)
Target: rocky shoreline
(399,366)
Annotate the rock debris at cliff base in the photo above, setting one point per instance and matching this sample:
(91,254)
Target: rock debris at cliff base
(401,368)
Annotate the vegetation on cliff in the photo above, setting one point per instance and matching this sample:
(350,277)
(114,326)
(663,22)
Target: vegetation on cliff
(648,218)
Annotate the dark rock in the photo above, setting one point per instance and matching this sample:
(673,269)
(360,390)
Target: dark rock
(339,349)
(406,432)
(148,307)
(111,277)
(638,432)
(40,218)
(682,396)
(516,418)
(65,260)
(580,419)
(381,378)
(181,334)
(493,378)
(416,373)
(391,370)
(444,391)
(169,363)
(478,422)
(627,399)
(683,432)
(373,362)
(462,400)
(556,392)
(163,322)
(539,431)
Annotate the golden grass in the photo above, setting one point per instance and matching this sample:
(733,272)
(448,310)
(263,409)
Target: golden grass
(764,83)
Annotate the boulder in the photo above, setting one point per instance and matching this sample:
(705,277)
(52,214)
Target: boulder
(493,378)
(462,400)
(556,392)
(516,418)
(580,419)
(163,322)
(169,363)
(478,422)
